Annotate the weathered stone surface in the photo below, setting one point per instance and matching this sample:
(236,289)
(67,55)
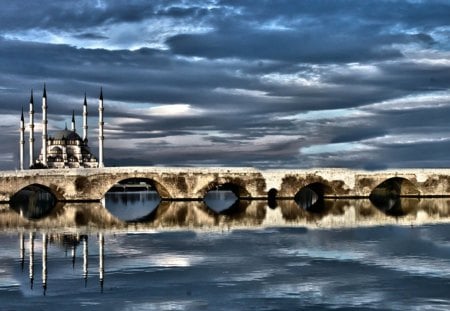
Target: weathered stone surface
(182,183)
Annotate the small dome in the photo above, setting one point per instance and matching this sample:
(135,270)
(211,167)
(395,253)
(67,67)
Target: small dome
(66,134)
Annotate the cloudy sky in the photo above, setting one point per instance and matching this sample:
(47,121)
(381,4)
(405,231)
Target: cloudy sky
(363,84)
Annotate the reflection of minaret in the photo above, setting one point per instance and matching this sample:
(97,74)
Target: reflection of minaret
(101,258)
(22,140)
(31,129)
(44,127)
(100,130)
(44,262)
(22,250)
(85,260)
(85,115)
(74,251)
(31,263)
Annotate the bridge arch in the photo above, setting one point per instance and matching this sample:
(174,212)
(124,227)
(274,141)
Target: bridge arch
(291,184)
(52,189)
(396,196)
(396,186)
(320,188)
(235,186)
(272,198)
(162,191)
(33,201)
(134,183)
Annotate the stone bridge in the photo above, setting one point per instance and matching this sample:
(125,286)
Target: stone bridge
(193,183)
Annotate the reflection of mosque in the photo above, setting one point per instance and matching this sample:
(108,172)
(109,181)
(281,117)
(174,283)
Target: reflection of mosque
(67,241)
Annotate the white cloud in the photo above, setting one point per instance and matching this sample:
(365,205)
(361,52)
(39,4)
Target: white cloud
(174,110)
(429,100)
(407,139)
(335,148)
(151,33)
(328,114)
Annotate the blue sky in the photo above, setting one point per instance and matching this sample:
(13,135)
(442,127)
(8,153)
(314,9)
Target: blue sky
(296,84)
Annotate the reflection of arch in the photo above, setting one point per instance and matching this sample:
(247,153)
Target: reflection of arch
(139,183)
(133,206)
(393,196)
(238,189)
(311,197)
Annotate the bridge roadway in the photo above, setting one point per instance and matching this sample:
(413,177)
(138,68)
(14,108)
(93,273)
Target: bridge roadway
(177,183)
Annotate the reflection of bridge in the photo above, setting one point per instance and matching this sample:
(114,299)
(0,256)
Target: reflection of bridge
(254,213)
(194,183)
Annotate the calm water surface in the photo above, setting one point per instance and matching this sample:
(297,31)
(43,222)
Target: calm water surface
(188,256)
(403,268)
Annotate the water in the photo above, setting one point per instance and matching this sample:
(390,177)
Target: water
(348,254)
(380,268)
(133,205)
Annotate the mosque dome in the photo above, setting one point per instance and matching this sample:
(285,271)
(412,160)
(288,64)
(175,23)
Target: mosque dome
(66,134)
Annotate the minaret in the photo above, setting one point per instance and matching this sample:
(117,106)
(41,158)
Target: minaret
(44,127)
(85,115)
(100,129)
(73,121)
(31,129)
(22,140)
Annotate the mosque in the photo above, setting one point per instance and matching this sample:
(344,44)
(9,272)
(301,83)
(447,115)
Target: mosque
(64,148)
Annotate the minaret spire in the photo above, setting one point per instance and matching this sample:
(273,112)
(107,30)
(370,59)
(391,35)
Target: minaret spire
(73,121)
(44,127)
(100,129)
(22,140)
(31,126)
(85,115)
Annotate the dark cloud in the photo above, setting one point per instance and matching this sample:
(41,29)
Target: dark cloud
(177,12)
(62,15)
(314,31)
(90,36)
(316,45)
